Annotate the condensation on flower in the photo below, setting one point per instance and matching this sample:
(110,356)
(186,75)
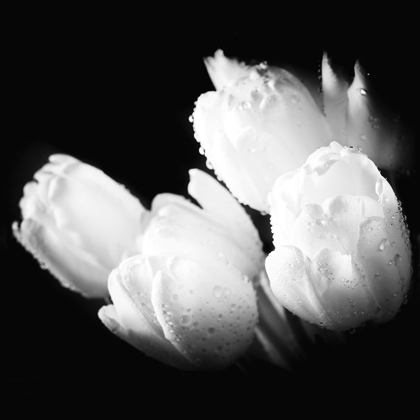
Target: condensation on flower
(79,223)
(188,300)
(342,254)
(260,123)
(358,119)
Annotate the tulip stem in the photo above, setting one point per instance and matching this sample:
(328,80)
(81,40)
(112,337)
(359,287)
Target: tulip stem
(279,334)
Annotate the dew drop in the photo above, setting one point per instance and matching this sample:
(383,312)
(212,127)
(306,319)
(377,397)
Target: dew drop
(397,259)
(295,99)
(201,150)
(185,320)
(211,330)
(263,65)
(217,291)
(362,92)
(383,244)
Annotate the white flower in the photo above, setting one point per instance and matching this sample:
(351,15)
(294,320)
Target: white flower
(261,123)
(78,223)
(357,120)
(342,255)
(188,299)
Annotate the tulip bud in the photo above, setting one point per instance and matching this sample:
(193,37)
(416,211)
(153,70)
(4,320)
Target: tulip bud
(356,120)
(188,300)
(262,124)
(78,223)
(342,254)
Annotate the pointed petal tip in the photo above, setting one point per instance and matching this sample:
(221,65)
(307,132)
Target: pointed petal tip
(223,70)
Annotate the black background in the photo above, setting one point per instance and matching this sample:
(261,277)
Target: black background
(115,88)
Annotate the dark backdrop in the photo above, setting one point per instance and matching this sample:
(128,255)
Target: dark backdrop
(115,89)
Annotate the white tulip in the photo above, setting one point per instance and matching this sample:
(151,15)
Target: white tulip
(261,122)
(188,299)
(357,119)
(342,254)
(79,223)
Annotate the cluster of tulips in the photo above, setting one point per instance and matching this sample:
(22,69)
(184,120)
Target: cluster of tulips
(185,279)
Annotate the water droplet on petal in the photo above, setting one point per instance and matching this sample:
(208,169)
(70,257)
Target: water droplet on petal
(185,320)
(384,244)
(397,259)
(295,99)
(217,291)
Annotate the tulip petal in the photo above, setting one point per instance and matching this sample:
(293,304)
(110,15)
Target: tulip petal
(327,291)
(132,316)
(354,248)
(346,173)
(79,223)
(74,268)
(75,195)
(144,340)
(329,172)
(134,276)
(386,260)
(208,130)
(291,285)
(342,289)
(335,100)
(259,127)
(208,318)
(181,228)
(220,204)
(371,128)
(223,70)
(334,225)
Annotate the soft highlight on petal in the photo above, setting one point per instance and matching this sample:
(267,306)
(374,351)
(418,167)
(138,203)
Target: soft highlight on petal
(260,126)
(208,318)
(341,243)
(78,223)
(223,70)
